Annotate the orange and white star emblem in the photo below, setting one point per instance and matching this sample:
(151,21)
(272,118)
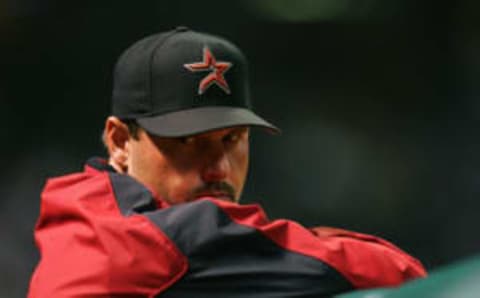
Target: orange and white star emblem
(216,69)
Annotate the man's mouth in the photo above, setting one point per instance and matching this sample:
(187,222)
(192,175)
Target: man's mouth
(217,190)
(216,195)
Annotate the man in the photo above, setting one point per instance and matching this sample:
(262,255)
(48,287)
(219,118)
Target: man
(161,218)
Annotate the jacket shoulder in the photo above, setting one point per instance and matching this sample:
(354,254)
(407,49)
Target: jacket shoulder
(90,248)
(86,189)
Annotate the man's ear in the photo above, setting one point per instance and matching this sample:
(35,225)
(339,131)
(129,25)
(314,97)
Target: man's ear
(116,137)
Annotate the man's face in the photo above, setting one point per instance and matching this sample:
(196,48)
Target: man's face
(212,164)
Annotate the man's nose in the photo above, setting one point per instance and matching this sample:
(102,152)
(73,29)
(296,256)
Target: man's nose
(216,167)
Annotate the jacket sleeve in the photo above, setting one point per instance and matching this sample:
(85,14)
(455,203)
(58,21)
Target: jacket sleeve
(368,261)
(364,260)
(88,249)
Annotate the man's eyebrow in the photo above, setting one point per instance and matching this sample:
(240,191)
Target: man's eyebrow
(240,129)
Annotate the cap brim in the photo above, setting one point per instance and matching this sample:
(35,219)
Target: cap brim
(200,120)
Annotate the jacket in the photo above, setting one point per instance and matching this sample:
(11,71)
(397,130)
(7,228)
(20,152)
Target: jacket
(103,234)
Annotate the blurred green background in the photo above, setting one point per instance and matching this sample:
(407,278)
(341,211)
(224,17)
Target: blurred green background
(378,102)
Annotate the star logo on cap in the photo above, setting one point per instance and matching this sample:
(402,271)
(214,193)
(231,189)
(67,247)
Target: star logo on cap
(216,71)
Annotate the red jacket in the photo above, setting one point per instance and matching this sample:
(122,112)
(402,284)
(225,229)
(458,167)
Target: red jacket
(103,234)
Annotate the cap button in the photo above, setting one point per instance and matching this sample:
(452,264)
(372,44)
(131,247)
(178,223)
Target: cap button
(181,29)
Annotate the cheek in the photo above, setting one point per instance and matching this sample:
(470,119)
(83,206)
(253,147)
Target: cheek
(145,164)
(177,186)
(143,157)
(239,161)
(163,173)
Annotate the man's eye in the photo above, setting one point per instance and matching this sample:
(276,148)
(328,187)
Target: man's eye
(187,140)
(233,137)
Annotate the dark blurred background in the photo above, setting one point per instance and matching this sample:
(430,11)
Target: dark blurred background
(378,102)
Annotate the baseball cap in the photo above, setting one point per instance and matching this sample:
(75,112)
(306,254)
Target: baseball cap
(182,82)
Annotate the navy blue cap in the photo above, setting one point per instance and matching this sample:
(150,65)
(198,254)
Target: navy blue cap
(182,82)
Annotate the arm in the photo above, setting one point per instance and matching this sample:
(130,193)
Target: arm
(369,261)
